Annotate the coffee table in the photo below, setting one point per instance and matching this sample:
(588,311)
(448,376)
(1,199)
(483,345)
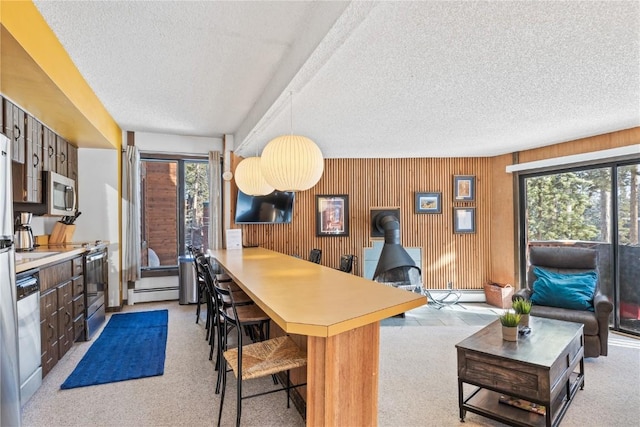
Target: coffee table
(545,367)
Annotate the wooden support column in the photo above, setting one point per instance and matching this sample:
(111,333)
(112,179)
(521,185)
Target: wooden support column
(342,378)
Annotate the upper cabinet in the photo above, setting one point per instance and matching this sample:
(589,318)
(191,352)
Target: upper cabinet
(72,162)
(33,161)
(14,128)
(61,156)
(49,148)
(36,149)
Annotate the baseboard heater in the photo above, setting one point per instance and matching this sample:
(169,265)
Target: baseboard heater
(153,294)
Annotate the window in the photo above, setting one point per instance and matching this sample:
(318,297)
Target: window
(174,210)
(594,207)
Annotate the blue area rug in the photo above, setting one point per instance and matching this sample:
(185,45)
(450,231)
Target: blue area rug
(132,345)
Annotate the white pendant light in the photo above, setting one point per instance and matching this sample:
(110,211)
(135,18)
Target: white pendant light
(249,178)
(292,163)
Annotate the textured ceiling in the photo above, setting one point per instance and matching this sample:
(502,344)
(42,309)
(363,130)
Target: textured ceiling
(362,79)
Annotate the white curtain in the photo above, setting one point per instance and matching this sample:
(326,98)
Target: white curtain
(131,184)
(215,200)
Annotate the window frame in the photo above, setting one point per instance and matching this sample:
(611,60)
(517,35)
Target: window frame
(181,160)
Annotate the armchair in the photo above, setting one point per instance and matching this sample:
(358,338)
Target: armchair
(569,260)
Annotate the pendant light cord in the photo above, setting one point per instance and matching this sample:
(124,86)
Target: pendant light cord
(291,113)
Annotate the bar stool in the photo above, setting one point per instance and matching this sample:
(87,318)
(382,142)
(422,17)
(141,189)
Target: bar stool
(245,315)
(257,360)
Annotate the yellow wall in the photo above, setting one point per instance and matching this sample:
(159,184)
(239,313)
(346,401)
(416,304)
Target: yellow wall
(37,74)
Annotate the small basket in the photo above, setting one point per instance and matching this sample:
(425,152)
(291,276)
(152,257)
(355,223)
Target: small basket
(498,295)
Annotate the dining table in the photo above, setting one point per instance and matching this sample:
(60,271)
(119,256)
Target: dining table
(338,313)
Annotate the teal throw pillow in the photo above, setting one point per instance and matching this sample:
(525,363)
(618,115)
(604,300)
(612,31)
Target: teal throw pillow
(574,290)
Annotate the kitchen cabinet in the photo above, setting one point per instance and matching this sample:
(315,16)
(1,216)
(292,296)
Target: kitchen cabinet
(77,283)
(33,162)
(61,156)
(49,161)
(72,163)
(14,124)
(49,330)
(61,308)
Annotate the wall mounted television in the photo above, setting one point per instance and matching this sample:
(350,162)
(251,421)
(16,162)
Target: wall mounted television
(274,208)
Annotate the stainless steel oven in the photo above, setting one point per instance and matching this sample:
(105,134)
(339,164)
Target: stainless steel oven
(96,279)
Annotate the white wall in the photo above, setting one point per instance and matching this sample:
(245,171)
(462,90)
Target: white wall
(163,143)
(98,202)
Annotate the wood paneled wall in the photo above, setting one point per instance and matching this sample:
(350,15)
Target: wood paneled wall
(372,183)
(467,260)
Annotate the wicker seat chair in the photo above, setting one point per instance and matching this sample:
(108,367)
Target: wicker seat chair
(257,360)
(246,314)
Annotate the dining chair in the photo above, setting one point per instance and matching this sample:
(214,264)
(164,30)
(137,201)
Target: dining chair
(257,360)
(346,263)
(315,255)
(249,316)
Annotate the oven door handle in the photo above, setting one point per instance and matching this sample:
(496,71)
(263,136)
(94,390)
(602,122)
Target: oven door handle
(95,257)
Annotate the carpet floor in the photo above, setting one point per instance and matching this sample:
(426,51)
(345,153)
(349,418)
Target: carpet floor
(418,385)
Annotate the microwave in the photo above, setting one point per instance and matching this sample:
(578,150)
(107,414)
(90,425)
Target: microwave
(61,194)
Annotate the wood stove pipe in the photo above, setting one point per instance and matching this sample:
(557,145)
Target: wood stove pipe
(393,255)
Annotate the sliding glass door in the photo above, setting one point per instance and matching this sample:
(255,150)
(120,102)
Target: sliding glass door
(595,207)
(175,210)
(628,247)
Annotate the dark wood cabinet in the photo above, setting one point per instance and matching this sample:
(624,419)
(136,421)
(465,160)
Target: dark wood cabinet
(33,162)
(49,162)
(77,282)
(72,162)
(14,129)
(36,149)
(61,156)
(49,330)
(61,309)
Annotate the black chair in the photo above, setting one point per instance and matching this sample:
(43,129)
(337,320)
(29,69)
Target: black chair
(257,360)
(346,263)
(315,255)
(249,316)
(200,278)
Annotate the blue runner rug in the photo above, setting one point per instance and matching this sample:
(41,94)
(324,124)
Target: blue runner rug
(132,345)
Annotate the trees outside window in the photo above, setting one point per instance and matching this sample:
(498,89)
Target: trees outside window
(593,207)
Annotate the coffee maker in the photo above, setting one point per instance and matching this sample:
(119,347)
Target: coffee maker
(24,236)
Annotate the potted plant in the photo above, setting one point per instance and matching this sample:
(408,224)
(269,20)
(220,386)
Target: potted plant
(523,308)
(510,320)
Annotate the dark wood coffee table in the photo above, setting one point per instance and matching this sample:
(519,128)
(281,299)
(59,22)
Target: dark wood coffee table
(545,367)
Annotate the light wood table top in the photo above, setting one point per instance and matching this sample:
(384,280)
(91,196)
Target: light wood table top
(310,299)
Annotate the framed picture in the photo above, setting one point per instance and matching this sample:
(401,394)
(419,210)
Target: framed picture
(332,215)
(429,203)
(464,220)
(464,188)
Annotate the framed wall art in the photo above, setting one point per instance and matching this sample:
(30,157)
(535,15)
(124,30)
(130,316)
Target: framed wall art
(428,203)
(464,188)
(464,220)
(332,215)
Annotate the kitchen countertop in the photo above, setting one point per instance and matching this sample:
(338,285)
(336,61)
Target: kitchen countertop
(49,254)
